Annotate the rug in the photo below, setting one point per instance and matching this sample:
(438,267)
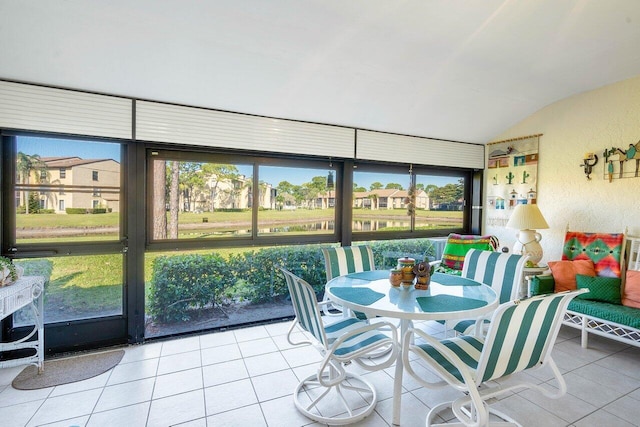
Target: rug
(67,370)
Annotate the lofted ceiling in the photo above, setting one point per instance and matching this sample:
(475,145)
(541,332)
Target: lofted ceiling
(448,69)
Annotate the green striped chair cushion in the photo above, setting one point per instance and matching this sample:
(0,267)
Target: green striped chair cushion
(348,259)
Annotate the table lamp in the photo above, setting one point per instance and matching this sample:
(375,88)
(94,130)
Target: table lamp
(528,218)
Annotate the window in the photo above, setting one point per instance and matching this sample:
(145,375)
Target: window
(303,202)
(43,175)
(208,196)
(426,202)
(196,199)
(94,175)
(63,173)
(37,157)
(95,204)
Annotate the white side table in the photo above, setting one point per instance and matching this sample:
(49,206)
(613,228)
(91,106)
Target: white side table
(26,291)
(530,271)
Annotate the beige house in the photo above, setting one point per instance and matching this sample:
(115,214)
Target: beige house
(388,199)
(81,183)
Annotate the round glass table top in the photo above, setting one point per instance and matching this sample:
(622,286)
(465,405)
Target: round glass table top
(448,297)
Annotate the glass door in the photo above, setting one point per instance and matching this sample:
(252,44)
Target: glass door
(63,219)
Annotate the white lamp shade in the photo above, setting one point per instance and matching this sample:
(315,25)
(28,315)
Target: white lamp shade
(527,217)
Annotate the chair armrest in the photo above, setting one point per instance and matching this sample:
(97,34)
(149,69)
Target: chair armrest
(541,284)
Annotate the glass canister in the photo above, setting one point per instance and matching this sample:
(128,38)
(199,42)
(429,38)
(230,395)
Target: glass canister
(395,277)
(406,265)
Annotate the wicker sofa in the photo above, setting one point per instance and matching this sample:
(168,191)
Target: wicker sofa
(599,312)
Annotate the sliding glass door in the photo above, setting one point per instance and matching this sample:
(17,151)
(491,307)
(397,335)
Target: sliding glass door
(63,216)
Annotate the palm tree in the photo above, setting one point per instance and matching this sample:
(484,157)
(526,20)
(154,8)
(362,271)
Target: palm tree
(25,164)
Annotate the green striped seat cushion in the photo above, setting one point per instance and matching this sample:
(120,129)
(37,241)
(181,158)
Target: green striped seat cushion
(628,316)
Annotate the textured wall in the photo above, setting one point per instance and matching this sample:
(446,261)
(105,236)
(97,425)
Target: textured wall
(588,122)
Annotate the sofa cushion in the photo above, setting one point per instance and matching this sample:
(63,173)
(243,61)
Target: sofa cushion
(604,249)
(564,273)
(458,245)
(605,289)
(631,293)
(627,316)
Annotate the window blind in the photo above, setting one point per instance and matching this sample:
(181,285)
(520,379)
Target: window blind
(383,146)
(196,126)
(36,108)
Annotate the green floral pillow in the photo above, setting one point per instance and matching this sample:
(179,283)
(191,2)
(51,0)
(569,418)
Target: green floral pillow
(605,289)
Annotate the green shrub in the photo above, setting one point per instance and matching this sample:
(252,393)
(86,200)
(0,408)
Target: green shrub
(76,211)
(385,252)
(98,210)
(258,278)
(182,283)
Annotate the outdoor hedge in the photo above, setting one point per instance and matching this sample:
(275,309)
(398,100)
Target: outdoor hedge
(181,284)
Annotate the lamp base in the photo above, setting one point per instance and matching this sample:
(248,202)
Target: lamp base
(528,243)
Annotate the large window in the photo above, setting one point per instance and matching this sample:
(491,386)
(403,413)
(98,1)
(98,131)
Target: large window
(196,197)
(389,200)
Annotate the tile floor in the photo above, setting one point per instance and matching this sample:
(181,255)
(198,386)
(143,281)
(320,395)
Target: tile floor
(245,378)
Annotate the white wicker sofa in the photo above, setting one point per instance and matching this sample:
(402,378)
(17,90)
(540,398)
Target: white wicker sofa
(619,321)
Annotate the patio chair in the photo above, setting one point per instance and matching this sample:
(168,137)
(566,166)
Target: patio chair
(345,260)
(502,271)
(456,248)
(520,337)
(332,395)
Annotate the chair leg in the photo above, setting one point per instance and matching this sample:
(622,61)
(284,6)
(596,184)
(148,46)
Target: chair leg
(354,394)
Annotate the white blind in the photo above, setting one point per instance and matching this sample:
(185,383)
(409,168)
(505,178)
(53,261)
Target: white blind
(36,108)
(194,126)
(424,151)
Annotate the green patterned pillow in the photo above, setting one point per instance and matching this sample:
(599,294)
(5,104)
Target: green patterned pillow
(605,289)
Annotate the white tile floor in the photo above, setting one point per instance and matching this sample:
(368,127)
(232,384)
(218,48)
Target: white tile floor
(245,378)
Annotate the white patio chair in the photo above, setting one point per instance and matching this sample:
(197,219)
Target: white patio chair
(332,395)
(521,336)
(345,260)
(502,271)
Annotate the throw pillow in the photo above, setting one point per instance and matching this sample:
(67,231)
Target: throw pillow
(540,285)
(458,245)
(605,289)
(631,294)
(564,273)
(604,249)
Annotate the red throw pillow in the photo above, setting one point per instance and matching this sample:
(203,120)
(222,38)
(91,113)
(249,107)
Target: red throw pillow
(564,273)
(631,295)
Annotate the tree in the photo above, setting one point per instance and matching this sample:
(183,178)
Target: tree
(25,164)
(174,200)
(393,185)
(376,186)
(159,199)
(216,175)
(191,183)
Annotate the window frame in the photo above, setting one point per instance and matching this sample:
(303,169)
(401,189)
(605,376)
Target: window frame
(192,154)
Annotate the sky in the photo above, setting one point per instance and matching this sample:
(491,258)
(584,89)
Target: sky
(48,147)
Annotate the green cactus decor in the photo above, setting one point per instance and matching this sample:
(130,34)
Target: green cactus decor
(525,175)
(510,177)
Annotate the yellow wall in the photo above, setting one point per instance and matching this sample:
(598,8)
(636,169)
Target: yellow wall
(588,122)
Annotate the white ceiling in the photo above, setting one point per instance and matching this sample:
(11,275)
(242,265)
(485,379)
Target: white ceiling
(449,69)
